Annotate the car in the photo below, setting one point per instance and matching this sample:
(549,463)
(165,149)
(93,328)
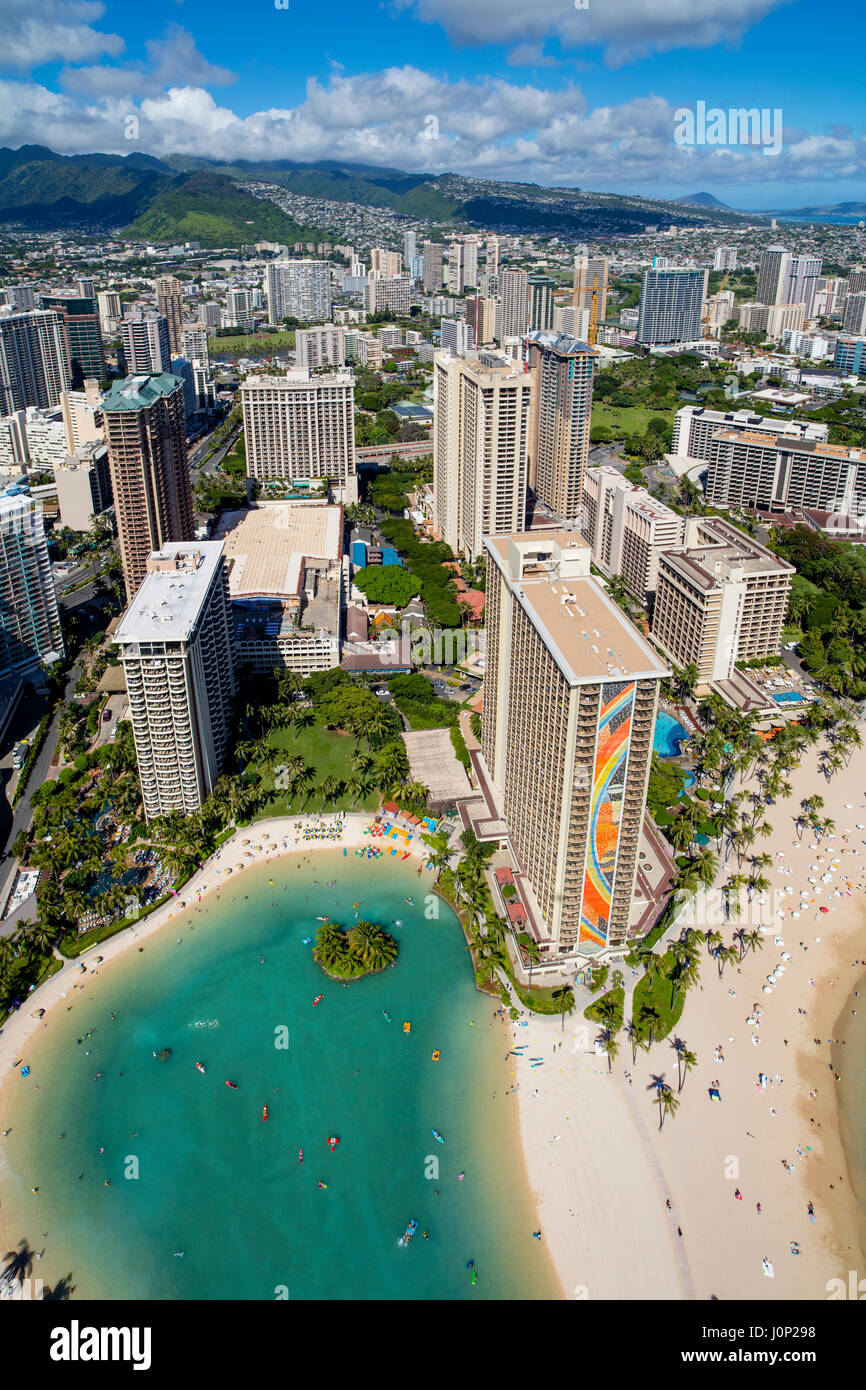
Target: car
(106,716)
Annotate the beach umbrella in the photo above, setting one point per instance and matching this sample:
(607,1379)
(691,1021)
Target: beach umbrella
(228,871)
(244,842)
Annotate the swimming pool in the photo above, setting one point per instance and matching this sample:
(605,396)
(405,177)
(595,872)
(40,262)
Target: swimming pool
(789,697)
(669,734)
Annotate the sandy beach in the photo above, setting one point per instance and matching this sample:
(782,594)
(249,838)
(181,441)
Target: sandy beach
(602,1172)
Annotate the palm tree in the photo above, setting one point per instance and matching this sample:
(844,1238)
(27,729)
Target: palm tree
(609,1045)
(564,998)
(439,844)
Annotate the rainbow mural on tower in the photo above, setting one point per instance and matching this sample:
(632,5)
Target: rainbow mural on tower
(608,791)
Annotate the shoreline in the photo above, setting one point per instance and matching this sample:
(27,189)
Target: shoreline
(602,1172)
(279,839)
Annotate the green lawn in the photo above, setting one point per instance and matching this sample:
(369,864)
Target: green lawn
(623,420)
(242,344)
(328,754)
(660,995)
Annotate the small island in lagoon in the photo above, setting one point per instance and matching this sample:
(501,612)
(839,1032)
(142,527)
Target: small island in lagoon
(364,949)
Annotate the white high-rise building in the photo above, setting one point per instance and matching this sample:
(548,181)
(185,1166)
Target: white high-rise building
(854,314)
(725,258)
(300,426)
(456,337)
(82,415)
(239,309)
(324,346)
(110,311)
(194,344)
(695,425)
(410,249)
(176,645)
(298,289)
(30,633)
(627,529)
(391,296)
(146,343)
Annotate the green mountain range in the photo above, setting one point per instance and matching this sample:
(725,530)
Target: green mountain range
(183,198)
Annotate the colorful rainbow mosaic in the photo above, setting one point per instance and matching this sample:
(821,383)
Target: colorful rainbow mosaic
(608,790)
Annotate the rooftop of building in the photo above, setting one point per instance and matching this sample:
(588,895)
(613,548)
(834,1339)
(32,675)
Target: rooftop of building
(562,343)
(266,546)
(167,606)
(722,555)
(802,446)
(139,392)
(298,379)
(588,636)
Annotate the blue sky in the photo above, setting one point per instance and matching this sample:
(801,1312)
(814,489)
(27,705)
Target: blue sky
(562,96)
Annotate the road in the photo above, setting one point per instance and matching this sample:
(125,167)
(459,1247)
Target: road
(196,458)
(19,819)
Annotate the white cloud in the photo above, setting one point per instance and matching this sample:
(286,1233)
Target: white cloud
(490,128)
(33,32)
(626,29)
(172,59)
(531,55)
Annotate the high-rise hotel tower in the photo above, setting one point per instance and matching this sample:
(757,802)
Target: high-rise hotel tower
(570,696)
(177,649)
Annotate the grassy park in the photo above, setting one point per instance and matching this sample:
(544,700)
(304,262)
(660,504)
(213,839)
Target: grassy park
(328,755)
(251,344)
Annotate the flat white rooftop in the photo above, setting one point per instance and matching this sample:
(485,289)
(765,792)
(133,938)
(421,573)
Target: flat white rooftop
(167,606)
(265,546)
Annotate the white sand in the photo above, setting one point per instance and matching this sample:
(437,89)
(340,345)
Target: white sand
(602,1187)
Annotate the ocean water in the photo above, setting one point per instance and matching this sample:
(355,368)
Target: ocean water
(192,1166)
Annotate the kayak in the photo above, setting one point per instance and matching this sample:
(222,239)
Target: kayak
(232,1084)
(407,1027)
(318,999)
(200,1068)
(300,1155)
(323,919)
(437,1136)
(305,940)
(264,1112)
(410,1231)
(386,1016)
(411,902)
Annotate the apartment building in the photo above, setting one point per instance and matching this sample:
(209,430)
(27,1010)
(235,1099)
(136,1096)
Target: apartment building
(84,485)
(176,646)
(299,426)
(239,309)
(324,346)
(82,415)
(30,632)
(145,342)
(169,302)
(695,426)
(388,264)
(591,274)
(854,314)
(84,356)
(850,357)
(570,699)
(561,370)
(720,599)
(194,345)
(34,359)
(513,302)
(670,306)
(539,309)
(145,430)
(725,258)
(748,469)
(432,266)
(481,409)
(627,529)
(391,296)
(298,289)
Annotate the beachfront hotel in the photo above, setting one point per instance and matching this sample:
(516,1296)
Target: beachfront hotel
(561,370)
(146,434)
(570,697)
(176,645)
(720,599)
(481,408)
(777,473)
(695,426)
(627,529)
(300,426)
